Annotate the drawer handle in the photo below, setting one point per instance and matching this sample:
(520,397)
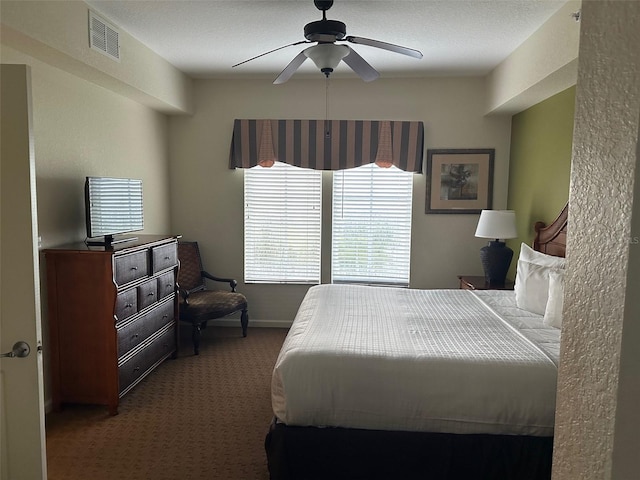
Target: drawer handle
(169,285)
(137,369)
(167,257)
(128,305)
(165,316)
(134,268)
(136,335)
(150,294)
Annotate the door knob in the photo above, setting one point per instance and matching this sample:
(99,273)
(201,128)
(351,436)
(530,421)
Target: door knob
(20,349)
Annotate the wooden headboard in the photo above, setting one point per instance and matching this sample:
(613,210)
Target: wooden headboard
(552,239)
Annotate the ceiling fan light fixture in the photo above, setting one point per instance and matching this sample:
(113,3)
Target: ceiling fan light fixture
(327,56)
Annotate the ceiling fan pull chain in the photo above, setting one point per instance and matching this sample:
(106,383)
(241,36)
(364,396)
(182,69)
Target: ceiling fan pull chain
(327,133)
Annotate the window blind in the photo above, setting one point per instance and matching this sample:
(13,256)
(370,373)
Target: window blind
(371,234)
(282,224)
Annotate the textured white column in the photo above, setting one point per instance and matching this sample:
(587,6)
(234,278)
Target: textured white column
(604,169)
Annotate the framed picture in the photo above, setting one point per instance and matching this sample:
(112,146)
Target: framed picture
(459,181)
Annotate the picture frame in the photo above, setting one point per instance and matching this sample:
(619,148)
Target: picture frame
(459,180)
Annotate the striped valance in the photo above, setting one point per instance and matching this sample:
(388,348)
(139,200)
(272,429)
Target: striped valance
(327,144)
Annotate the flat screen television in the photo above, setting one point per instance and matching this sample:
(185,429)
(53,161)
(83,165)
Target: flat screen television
(113,206)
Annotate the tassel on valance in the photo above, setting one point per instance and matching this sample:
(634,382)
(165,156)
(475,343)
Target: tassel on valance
(266,153)
(327,144)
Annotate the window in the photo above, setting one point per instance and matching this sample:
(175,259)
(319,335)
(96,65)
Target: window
(371,233)
(282,224)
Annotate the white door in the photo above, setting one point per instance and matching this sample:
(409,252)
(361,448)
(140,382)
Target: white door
(22,430)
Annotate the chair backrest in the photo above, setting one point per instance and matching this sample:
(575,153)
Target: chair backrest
(189,276)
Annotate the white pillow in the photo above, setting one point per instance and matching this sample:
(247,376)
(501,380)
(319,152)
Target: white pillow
(553,312)
(528,254)
(532,278)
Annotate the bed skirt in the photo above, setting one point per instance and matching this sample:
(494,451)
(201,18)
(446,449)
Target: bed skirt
(310,453)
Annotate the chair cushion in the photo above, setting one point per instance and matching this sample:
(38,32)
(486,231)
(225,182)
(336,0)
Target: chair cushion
(210,304)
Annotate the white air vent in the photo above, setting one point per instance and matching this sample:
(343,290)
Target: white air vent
(103,36)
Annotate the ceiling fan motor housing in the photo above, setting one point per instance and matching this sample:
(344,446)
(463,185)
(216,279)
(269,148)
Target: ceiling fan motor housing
(319,30)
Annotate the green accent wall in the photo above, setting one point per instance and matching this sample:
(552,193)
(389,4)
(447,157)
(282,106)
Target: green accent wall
(540,165)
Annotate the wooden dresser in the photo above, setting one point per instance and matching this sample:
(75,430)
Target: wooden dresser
(112,317)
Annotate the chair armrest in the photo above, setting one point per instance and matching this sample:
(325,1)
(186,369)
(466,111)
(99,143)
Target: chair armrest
(184,294)
(232,283)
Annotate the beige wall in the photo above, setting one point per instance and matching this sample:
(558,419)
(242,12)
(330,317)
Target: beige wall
(82,129)
(91,116)
(543,65)
(208,197)
(57,33)
(597,421)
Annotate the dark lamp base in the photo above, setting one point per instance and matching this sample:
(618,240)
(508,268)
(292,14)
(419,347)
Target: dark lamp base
(496,259)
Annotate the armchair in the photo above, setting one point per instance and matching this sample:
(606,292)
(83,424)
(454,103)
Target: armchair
(199,304)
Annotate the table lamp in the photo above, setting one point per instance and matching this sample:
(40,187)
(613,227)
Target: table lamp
(496,256)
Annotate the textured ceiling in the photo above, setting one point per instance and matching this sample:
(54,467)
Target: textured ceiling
(205,38)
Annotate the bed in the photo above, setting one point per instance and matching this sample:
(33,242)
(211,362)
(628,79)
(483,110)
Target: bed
(387,383)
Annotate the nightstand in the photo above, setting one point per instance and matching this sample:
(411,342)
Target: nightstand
(470,282)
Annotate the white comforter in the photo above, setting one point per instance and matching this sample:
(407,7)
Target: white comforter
(454,361)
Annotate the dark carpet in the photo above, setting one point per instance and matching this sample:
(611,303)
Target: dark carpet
(196,417)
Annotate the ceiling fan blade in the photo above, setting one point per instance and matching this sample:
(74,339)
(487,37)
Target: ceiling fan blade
(360,66)
(271,51)
(384,45)
(290,69)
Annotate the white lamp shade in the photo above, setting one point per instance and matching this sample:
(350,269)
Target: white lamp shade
(497,224)
(327,56)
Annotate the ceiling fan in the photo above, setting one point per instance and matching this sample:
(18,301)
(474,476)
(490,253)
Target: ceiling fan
(327,54)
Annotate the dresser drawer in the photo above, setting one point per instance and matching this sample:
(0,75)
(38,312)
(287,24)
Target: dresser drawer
(163,257)
(136,332)
(138,365)
(147,293)
(126,304)
(131,267)
(166,285)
